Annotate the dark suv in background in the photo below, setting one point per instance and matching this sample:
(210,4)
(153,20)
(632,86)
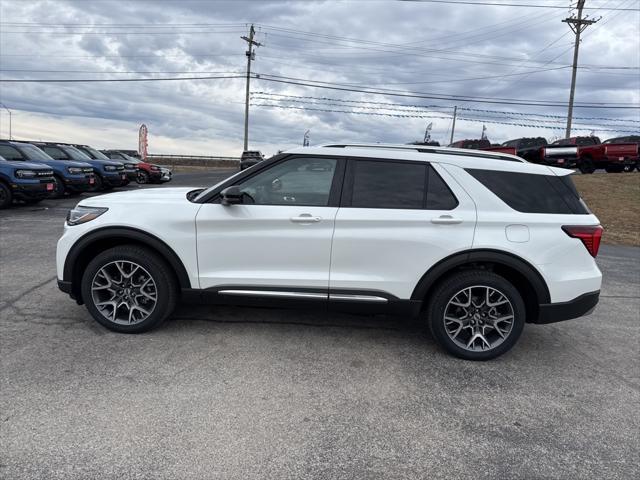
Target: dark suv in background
(29,182)
(130,170)
(249,158)
(69,176)
(109,174)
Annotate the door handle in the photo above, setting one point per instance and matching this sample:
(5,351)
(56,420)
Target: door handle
(305,218)
(446,220)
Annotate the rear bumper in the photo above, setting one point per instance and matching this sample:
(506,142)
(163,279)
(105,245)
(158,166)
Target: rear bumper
(560,162)
(578,307)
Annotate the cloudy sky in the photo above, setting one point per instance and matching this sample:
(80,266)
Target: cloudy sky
(414,60)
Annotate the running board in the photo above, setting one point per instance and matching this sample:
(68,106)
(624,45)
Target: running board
(306,295)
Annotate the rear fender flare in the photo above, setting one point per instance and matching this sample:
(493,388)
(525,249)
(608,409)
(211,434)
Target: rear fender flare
(469,257)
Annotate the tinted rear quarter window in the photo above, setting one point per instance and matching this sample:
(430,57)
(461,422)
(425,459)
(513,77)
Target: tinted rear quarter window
(530,193)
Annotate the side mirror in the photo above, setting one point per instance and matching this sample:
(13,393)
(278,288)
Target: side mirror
(231,195)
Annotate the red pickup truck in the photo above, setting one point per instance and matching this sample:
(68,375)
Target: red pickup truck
(628,139)
(592,154)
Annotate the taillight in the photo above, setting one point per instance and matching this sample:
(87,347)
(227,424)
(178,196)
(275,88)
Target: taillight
(589,235)
(543,153)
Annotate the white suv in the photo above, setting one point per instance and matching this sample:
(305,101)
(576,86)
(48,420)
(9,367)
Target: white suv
(475,243)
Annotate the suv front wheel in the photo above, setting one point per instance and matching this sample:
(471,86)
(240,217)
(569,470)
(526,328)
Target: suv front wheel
(129,289)
(476,315)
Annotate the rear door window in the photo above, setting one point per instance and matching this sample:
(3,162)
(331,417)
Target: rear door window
(396,184)
(530,193)
(388,184)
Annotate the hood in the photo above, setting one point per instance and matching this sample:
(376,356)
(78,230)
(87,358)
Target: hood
(26,165)
(147,195)
(64,163)
(101,163)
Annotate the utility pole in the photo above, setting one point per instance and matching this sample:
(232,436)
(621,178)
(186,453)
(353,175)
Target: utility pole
(251,55)
(577,26)
(453,127)
(5,107)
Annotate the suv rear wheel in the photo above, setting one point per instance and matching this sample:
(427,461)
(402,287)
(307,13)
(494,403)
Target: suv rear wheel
(129,289)
(476,315)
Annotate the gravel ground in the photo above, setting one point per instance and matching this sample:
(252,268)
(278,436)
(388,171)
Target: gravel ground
(259,393)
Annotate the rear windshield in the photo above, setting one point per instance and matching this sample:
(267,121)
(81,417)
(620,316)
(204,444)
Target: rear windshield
(529,193)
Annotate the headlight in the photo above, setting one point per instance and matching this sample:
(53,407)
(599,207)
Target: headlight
(74,170)
(80,215)
(110,168)
(26,174)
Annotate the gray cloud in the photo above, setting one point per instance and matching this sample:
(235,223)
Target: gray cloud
(440,46)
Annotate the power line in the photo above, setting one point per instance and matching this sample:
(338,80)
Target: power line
(384,104)
(410,94)
(289,107)
(329,86)
(104,80)
(524,5)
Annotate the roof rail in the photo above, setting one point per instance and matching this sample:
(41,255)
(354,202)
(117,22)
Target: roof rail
(426,149)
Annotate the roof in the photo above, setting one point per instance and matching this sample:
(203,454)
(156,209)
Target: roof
(464,158)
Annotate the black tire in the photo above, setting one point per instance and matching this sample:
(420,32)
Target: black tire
(155,266)
(586,166)
(458,282)
(98,185)
(6,197)
(142,177)
(58,187)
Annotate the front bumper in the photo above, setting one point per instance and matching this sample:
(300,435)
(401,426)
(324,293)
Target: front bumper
(79,184)
(132,174)
(118,179)
(578,307)
(33,191)
(165,175)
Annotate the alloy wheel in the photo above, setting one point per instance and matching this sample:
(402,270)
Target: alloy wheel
(124,292)
(478,318)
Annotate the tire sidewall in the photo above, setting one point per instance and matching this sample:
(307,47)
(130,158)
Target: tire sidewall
(142,177)
(59,189)
(450,287)
(6,198)
(161,274)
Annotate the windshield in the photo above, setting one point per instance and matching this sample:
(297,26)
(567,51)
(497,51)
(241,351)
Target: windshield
(95,153)
(34,153)
(76,154)
(532,142)
(130,159)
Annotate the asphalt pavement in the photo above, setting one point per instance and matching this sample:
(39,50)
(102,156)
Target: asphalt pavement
(225,392)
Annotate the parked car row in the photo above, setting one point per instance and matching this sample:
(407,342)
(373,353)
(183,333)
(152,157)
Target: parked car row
(33,171)
(585,153)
